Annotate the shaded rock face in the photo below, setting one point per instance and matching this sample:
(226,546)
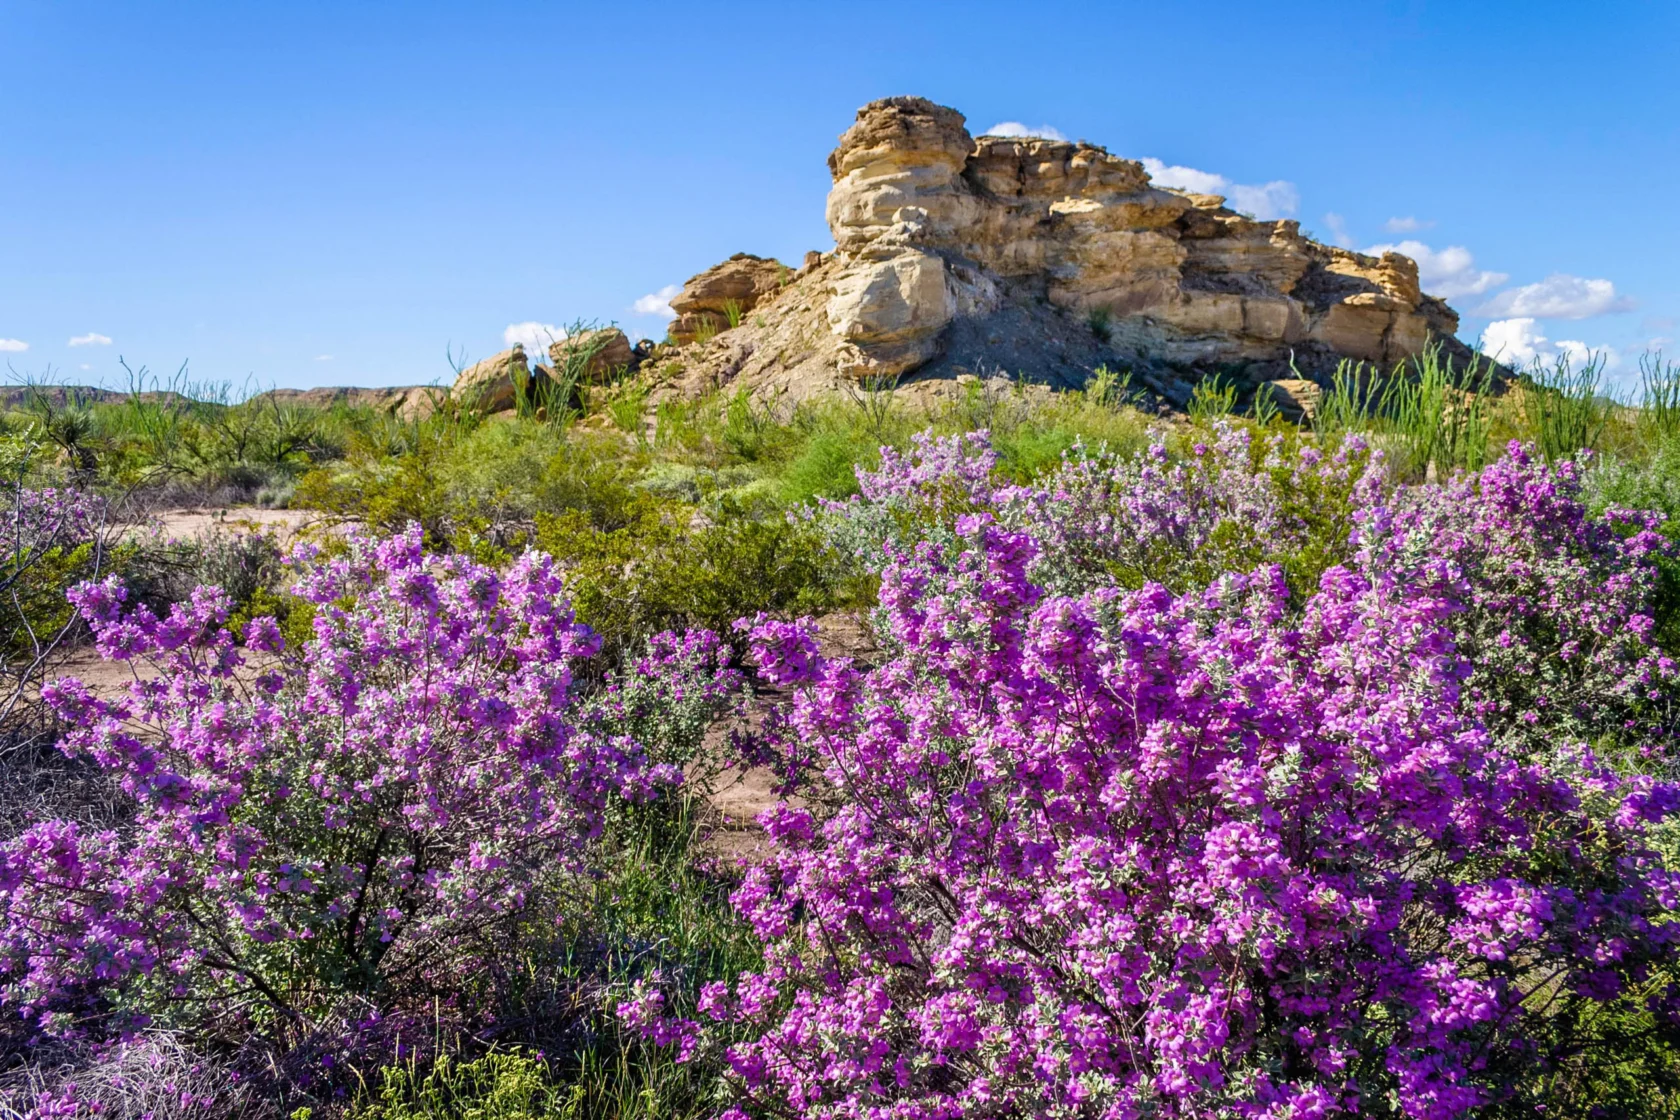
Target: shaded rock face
(1039,259)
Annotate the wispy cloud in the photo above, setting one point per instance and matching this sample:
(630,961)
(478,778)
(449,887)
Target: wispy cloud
(658,303)
(1408,224)
(1015,129)
(1558,296)
(1448,273)
(92,338)
(13,346)
(1266,201)
(1339,230)
(323,357)
(533,335)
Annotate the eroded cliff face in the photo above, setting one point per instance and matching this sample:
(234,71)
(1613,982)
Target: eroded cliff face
(1041,259)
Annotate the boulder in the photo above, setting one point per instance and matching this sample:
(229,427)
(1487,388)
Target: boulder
(489,386)
(600,353)
(718,298)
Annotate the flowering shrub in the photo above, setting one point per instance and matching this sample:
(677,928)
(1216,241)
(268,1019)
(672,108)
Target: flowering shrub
(1558,617)
(1105,520)
(1247,850)
(46,535)
(366,819)
(1126,854)
(1559,608)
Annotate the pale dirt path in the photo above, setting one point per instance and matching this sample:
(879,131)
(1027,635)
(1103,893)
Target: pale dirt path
(742,794)
(196,522)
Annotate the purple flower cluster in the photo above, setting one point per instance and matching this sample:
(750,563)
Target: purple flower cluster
(358,817)
(1558,605)
(1126,854)
(48,518)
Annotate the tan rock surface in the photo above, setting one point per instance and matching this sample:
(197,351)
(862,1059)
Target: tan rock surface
(489,385)
(607,350)
(1039,259)
(409,402)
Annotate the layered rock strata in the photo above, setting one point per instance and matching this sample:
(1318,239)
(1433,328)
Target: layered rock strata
(1039,259)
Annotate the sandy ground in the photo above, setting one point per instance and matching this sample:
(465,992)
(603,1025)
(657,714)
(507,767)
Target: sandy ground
(741,795)
(185,523)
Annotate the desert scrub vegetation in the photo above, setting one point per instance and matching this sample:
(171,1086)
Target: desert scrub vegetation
(1209,767)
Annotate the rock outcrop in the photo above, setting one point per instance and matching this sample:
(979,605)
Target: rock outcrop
(718,298)
(1039,260)
(492,385)
(598,353)
(591,356)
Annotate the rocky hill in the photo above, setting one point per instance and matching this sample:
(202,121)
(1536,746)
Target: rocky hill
(1037,260)
(1002,258)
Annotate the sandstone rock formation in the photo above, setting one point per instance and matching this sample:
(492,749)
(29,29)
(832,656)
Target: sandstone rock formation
(493,385)
(490,385)
(719,297)
(1039,259)
(600,352)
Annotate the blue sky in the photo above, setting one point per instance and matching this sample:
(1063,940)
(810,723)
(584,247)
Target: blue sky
(338,193)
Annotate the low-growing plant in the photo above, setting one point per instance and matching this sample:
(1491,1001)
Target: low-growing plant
(1100,320)
(660,571)
(1108,387)
(1212,398)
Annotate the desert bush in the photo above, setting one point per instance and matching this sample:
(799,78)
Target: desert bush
(1558,611)
(1103,518)
(50,539)
(1563,610)
(664,571)
(1131,853)
(151,1076)
(326,849)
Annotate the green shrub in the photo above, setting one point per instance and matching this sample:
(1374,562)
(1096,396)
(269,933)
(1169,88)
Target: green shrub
(667,569)
(502,1085)
(827,467)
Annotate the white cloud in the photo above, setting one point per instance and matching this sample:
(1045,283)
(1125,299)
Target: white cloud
(658,303)
(533,336)
(323,357)
(12,346)
(1448,273)
(1558,296)
(1266,201)
(92,338)
(1338,230)
(1408,224)
(86,366)
(1015,129)
(1519,342)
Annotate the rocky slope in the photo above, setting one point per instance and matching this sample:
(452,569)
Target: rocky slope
(1036,260)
